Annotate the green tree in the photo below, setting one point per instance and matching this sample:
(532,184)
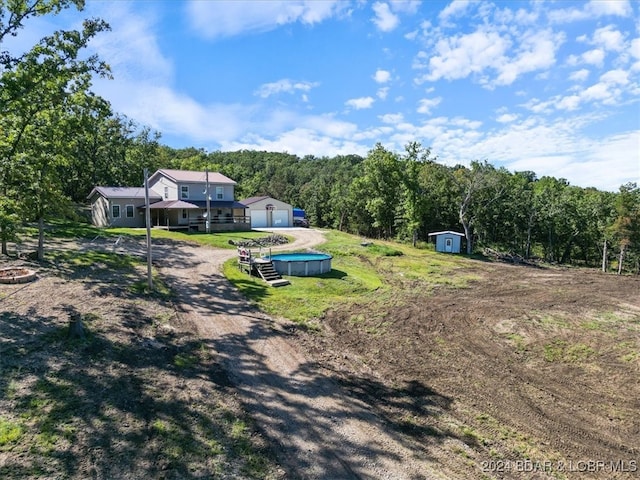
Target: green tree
(478,187)
(379,186)
(9,222)
(626,227)
(36,96)
(413,199)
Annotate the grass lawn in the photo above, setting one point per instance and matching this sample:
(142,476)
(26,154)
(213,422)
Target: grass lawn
(70,230)
(360,275)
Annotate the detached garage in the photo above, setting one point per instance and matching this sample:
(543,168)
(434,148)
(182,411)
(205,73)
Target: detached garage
(267,212)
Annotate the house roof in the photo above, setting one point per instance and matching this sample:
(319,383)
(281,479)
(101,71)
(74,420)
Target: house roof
(199,204)
(446,232)
(193,176)
(171,204)
(122,192)
(251,200)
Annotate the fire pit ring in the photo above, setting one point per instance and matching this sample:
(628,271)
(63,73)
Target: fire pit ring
(17,275)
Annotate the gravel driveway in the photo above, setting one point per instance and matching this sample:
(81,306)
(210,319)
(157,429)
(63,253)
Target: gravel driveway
(318,429)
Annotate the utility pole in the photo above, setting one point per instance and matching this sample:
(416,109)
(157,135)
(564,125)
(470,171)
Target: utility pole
(147,211)
(208,220)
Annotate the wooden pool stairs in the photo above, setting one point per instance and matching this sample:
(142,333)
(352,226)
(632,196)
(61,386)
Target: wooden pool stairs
(260,267)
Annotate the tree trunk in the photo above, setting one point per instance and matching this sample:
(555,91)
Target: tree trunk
(4,247)
(621,260)
(566,255)
(467,234)
(40,239)
(604,256)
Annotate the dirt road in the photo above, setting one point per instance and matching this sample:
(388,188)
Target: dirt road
(320,430)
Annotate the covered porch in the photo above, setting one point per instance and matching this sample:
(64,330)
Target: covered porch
(192,216)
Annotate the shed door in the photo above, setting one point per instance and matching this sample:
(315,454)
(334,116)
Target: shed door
(448,244)
(258,218)
(280,218)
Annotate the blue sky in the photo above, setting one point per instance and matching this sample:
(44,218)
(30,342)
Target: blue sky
(552,87)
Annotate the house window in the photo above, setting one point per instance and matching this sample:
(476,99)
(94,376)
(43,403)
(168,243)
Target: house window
(129,211)
(219,193)
(184,213)
(184,191)
(166,193)
(115,211)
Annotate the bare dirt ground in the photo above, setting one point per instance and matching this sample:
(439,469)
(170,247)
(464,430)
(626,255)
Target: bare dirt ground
(524,365)
(319,430)
(535,371)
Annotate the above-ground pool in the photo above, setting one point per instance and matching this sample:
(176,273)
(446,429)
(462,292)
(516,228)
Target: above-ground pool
(301,264)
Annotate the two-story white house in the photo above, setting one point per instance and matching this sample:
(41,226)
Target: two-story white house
(178,200)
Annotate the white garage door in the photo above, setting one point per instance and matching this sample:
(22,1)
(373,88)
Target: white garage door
(280,218)
(258,219)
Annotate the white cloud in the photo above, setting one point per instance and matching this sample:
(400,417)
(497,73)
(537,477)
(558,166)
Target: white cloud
(385,19)
(131,48)
(605,163)
(459,56)
(579,75)
(634,48)
(566,152)
(301,141)
(457,8)
(360,103)
(382,93)
(620,8)
(426,104)
(592,10)
(283,86)
(507,118)
(420,60)
(391,118)
(619,77)
(382,76)
(228,18)
(406,6)
(594,57)
(570,102)
(609,38)
(171,113)
(535,52)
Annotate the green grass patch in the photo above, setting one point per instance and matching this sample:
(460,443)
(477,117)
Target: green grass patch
(10,433)
(216,240)
(159,290)
(360,274)
(553,351)
(93,259)
(561,351)
(518,341)
(551,322)
(71,230)
(184,360)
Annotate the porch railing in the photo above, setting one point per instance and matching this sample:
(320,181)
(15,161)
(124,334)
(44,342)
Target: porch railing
(218,220)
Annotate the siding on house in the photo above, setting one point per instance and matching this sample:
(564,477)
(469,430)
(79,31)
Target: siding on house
(126,201)
(178,200)
(170,185)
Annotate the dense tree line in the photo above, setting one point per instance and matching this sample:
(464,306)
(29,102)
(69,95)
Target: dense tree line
(407,195)
(58,140)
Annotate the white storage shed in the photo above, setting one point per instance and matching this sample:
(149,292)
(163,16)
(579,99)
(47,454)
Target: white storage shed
(448,241)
